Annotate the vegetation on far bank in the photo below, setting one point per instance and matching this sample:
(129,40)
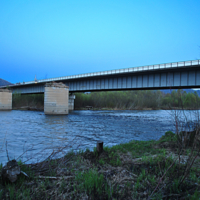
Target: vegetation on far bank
(28,101)
(138,99)
(134,170)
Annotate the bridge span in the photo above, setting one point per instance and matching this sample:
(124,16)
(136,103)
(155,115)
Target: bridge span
(176,75)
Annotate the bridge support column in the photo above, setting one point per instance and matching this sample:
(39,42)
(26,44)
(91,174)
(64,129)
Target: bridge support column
(56,96)
(71,101)
(5,99)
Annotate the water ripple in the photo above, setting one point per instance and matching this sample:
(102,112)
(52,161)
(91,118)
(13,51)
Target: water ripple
(35,132)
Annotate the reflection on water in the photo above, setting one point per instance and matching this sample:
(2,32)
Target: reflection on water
(36,134)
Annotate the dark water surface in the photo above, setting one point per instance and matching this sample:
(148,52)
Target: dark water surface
(37,135)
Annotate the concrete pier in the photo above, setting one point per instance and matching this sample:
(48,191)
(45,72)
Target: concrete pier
(71,101)
(5,99)
(56,96)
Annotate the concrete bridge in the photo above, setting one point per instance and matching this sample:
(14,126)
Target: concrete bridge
(176,75)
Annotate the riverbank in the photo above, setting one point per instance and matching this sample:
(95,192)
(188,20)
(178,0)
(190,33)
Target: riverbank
(41,108)
(134,170)
(33,108)
(163,108)
(94,108)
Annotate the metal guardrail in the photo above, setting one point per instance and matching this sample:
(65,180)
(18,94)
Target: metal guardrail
(119,71)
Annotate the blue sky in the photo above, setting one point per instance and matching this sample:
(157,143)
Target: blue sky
(60,38)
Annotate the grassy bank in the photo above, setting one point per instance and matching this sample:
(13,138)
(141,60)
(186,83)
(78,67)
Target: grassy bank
(135,170)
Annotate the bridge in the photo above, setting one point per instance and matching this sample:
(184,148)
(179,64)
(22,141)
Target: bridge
(176,75)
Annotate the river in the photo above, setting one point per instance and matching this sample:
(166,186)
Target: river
(33,136)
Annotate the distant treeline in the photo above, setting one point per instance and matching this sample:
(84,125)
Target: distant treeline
(28,100)
(138,100)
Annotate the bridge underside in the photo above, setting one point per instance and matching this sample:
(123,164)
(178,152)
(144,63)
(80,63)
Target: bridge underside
(140,81)
(56,100)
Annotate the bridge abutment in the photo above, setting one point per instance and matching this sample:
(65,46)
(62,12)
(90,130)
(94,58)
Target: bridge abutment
(56,97)
(5,99)
(71,101)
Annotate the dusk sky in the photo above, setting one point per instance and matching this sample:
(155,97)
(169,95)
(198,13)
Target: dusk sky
(60,38)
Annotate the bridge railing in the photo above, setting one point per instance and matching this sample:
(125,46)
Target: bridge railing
(126,70)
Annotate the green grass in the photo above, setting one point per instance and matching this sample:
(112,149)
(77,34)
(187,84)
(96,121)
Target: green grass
(101,161)
(195,196)
(137,148)
(90,181)
(168,137)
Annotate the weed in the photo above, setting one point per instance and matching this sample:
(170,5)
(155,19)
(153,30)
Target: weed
(115,161)
(106,148)
(196,195)
(137,148)
(18,195)
(46,182)
(152,180)
(175,185)
(80,151)
(90,181)
(128,184)
(118,162)
(87,150)
(43,187)
(25,169)
(101,162)
(62,186)
(137,184)
(193,176)
(145,158)
(151,161)
(169,136)
(143,173)
(164,152)
(26,193)
(188,151)
(158,196)
(70,153)
(11,191)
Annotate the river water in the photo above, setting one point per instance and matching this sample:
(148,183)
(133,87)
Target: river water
(33,136)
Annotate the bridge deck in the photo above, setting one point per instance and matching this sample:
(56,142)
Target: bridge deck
(184,74)
(121,71)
